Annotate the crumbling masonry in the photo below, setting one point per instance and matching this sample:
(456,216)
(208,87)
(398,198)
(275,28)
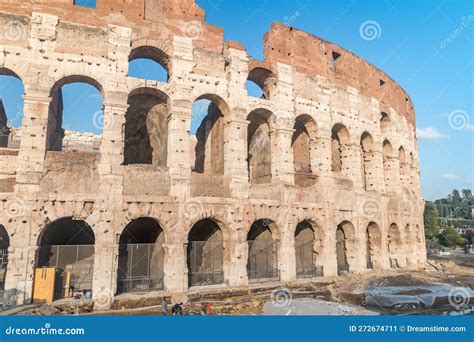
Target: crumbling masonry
(318,177)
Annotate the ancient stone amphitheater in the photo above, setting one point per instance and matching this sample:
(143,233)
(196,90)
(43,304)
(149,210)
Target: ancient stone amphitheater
(318,177)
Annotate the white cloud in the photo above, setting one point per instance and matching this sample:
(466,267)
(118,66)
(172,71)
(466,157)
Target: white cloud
(449,176)
(469,127)
(430,133)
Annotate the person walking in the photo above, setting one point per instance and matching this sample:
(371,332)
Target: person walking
(177,309)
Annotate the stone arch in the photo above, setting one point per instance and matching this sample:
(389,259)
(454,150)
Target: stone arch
(345,247)
(209,148)
(340,139)
(262,261)
(55,132)
(394,246)
(387,162)
(308,249)
(385,121)
(68,245)
(4,245)
(11,124)
(146,128)
(302,142)
(205,254)
(404,168)
(260,146)
(264,78)
(374,246)
(141,256)
(367,160)
(153,53)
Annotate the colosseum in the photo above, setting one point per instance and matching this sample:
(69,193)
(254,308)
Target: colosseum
(318,177)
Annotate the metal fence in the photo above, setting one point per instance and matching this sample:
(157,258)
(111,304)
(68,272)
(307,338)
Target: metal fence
(205,263)
(262,265)
(78,260)
(305,260)
(140,268)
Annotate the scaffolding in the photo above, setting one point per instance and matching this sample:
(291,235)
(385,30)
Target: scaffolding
(262,263)
(140,268)
(205,263)
(74,266)
(305,260)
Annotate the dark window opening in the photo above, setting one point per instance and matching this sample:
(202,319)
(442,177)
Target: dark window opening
(335,56)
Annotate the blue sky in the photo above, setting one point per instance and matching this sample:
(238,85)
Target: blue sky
(425,45)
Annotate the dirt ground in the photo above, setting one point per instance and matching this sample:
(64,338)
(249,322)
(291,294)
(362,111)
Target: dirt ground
(456,270)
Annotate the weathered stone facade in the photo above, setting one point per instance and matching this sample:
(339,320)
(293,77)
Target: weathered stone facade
(330,145)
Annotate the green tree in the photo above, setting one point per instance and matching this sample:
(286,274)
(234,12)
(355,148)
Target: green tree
(450,237)
(431,221)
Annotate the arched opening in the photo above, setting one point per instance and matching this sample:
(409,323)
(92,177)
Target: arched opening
(367,145)
(75,115)
(260,83)
(339,140)
(262,262)
(67,245)
(403,167)
(149,63)
(374,246)
(385,122)
(394,245)
(307,249)
(207,133)
(259,146)
(345,247)
(146,128)
(303,143)
(387,167)
(11,108)
(205,254)
(4,244)
(141,256)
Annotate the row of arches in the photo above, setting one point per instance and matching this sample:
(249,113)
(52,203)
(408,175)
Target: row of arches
(68,244)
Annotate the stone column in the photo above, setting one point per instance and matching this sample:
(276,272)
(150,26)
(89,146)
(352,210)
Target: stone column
(179,152)
(175,269)
(282,154)
(104,281)
(373,171)
(112,145)
(286,255)
(236,271)
(391,169)
(235,157)
(30,160)
(351,168)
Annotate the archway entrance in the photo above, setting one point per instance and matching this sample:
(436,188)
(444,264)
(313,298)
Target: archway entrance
(68,246)
(305,251)
(394,245)
(141,256)
(205,254)
(374,246)
(345,236)
(4,244)
(262,263)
